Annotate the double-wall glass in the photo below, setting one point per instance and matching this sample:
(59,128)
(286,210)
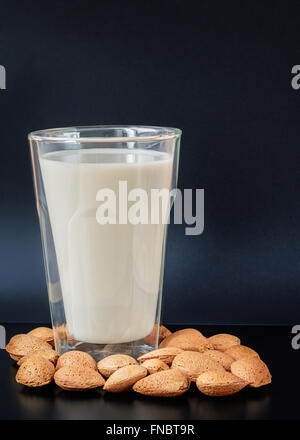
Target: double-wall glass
(100,200)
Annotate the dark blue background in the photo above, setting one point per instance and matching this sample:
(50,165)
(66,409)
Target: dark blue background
(219,70)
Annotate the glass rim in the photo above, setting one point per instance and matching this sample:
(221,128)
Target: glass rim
(72,134)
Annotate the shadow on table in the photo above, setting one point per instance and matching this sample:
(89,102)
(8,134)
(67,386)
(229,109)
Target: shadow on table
(249,404)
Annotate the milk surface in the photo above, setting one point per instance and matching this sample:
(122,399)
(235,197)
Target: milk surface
(110,274)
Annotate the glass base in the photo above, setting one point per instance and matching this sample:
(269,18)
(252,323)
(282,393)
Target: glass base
(100,351)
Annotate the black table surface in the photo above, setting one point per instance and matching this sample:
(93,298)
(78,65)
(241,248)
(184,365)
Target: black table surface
(278,400)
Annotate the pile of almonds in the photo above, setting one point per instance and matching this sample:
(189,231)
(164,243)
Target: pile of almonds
(219,365)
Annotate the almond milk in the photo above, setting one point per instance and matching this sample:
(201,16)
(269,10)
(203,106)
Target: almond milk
(110,274)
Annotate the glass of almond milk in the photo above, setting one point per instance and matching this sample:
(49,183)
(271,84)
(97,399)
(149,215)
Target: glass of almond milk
(103,199)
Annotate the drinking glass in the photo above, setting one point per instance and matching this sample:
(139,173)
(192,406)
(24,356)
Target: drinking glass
(100,194)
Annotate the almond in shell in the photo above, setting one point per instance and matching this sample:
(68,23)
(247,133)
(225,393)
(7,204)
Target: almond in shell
(222,358)
(76,358)
(44,333)
(155,365)
(253,370)
(192,364)
(223,341)
(110,364)
(219,383)
(21,345)
(35,372)
(164,354)
(49,355)
(60,332)
(163,333)
(188,330)
(78,378)
(240,352)
(123,379)
(167,383)
(187,339)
